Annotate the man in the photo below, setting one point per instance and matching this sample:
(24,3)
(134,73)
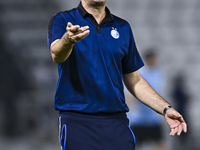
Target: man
(95,53)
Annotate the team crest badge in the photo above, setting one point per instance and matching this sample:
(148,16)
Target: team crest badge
(114,33)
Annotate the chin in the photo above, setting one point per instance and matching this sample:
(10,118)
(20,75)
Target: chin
(99,1)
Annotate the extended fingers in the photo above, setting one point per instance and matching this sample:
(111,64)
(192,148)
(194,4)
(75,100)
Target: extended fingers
(76,28)
(72,28)
(82,35)
(75,33)
(82,29)
(184,127)
(79,30)
(178,130)
(176,122)
(173,131)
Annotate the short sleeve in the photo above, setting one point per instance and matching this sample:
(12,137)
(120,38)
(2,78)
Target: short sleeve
(132,60)
(56,29)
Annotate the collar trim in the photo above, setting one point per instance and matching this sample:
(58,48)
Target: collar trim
(84,13)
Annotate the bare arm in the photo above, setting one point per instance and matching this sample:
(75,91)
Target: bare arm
(62,48)
(140,88)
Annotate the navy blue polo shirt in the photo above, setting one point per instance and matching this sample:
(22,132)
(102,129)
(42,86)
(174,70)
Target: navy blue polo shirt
(91,79)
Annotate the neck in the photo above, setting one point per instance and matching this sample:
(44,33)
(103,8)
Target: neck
(95,9)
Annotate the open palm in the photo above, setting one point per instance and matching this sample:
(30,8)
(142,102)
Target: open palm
(175,121)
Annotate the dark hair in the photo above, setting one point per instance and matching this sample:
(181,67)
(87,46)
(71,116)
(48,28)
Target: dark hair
(149,53)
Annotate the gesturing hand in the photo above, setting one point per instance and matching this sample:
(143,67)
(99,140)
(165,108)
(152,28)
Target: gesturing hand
(75,33)
(175,121)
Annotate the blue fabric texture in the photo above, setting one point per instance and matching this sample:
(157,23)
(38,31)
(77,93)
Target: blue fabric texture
(88,132)
(90,80)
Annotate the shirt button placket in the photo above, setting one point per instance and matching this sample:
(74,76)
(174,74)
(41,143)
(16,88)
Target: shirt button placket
(98,29)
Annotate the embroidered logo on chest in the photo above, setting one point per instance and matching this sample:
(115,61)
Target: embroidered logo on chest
(114,33)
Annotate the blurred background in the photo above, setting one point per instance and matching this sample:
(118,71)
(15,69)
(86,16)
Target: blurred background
(28,76)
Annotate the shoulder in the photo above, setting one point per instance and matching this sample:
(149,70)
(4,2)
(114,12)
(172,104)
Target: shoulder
(121,21)
(123,25)
(63,14)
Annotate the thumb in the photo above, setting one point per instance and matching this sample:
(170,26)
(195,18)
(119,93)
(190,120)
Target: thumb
(177,115)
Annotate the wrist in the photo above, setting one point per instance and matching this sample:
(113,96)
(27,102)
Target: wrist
(165,109)
(67,41)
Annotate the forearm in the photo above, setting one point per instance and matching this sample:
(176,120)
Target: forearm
(141,89)
(147,95)
(60,50)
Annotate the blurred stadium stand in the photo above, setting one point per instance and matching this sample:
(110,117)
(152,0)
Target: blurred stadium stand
(28,76)
(172,26)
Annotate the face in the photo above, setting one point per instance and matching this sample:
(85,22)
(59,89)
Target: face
(99,1)
(95,2)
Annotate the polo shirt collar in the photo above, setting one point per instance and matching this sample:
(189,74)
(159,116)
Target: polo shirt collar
(84,13)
